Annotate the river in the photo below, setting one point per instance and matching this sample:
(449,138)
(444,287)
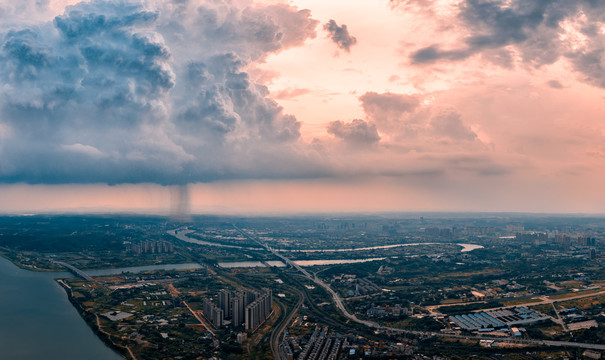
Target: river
(251,264)
(37,321)
(334,261)
(465,247)
(226,265)
(181,234)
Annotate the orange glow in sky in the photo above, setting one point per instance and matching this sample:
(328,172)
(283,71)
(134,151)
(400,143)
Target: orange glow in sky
(401,105)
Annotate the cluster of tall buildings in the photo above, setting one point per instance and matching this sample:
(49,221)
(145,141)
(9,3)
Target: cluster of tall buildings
(152,247)
(213,313)
(248,308)
(541,238)
(568,240)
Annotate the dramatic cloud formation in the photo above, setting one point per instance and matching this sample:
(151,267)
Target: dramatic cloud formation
(147,92)
(161,92)
(340,35)
(495,104)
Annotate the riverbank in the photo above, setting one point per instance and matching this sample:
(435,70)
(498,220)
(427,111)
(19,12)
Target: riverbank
(40,322)
(17,258)
(91,321)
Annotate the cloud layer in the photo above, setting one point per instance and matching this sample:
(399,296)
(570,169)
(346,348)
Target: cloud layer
(531,32)
(150,91)
(464,98)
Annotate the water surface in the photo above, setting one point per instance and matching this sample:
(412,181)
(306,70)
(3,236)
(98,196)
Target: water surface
(465,247)
(334,261)
(37,321)
(182,235)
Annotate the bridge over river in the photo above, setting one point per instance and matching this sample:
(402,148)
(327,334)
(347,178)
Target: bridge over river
(74,270)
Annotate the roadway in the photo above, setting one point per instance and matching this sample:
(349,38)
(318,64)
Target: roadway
(74,270)
(558,320)
(276,335)
(199,318)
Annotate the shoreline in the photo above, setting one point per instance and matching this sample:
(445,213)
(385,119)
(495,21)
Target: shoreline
(4,253)
(88,319)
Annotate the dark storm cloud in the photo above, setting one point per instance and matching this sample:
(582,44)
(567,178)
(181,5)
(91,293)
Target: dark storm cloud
(533,28)
(433,53)
(356,133)
(493,25)
(591,64)
(340,35)
(125,92)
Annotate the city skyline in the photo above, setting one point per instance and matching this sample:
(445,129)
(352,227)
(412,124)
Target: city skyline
(302,106)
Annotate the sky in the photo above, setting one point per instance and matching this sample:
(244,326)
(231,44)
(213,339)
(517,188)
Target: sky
(302,106)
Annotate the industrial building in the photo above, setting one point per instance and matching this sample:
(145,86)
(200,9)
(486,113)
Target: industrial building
(490,320)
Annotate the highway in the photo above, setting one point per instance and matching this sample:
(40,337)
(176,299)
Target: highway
(276,335)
